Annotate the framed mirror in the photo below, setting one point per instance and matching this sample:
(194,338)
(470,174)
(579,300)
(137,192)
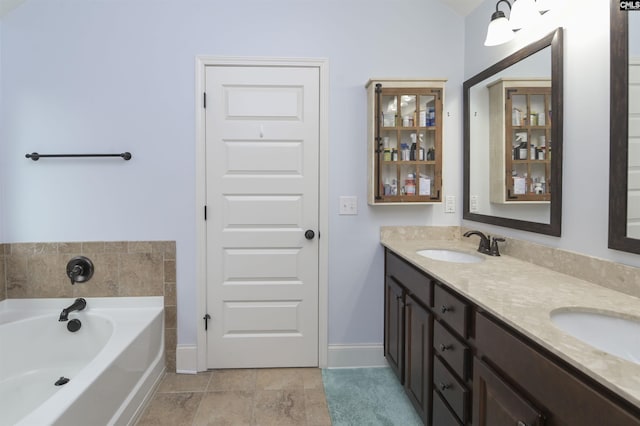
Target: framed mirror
(513,140)
(624,158)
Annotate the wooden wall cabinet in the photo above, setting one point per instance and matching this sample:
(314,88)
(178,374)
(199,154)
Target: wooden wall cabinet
(405,141)
(520,141)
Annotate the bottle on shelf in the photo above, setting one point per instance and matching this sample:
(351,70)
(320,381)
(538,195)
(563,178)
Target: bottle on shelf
(410,184)
(412,153)
(386,149)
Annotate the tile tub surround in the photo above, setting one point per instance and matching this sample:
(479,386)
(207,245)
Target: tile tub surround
(122,268)
(523,295)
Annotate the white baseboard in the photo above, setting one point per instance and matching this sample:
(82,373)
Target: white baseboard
(187,359)
(354,356)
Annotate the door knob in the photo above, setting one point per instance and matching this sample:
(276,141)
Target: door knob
(309,234)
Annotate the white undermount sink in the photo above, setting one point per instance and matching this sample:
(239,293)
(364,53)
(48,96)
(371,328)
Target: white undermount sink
(447,255)
(610,333)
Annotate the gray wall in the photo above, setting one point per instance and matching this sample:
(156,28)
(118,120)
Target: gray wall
(116,75)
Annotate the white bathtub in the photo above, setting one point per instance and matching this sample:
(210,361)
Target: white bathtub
(113,361)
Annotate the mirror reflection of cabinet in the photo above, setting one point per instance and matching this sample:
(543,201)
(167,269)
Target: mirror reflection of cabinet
(405,141)
(520,140)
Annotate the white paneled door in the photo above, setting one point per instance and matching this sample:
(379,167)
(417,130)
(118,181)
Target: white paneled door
(262,187)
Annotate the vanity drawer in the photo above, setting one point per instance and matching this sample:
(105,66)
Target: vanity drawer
(451,389)
(452,310)
(415,281)
(442,416)
(452,350)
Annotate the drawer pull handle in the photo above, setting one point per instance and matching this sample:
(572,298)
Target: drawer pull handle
(444,309)
(444,347)
(444,386)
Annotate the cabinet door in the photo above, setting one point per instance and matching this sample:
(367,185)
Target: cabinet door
(405,141)
(418,351)
(528,150)
(394,326)
(495,403)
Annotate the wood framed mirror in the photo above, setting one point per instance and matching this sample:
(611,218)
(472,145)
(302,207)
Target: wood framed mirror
(624,157)
(530,180)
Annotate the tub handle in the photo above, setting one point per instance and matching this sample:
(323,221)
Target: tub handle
(79,269)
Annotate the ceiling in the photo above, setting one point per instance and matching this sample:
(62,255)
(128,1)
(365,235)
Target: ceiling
(462,7)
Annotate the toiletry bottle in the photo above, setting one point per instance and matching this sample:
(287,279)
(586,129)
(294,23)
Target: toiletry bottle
(387,150)
(410,184)
(405,152)
(523,151)
(394,154)
(412,154)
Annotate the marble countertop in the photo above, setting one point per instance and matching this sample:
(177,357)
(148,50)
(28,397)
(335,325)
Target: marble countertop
(523,295)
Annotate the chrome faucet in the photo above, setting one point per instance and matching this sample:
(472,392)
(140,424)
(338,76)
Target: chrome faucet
(78,305)
(487,245)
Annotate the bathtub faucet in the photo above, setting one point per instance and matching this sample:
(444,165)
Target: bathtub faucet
(78,305)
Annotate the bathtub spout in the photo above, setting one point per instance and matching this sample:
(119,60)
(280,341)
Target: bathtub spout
(78,305)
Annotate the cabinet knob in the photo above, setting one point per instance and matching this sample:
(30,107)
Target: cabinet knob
(444,386)
(444,309)
(444,347)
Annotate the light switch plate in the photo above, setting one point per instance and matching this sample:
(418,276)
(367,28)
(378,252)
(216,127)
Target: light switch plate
(450,204)
(473,205)
(348,205)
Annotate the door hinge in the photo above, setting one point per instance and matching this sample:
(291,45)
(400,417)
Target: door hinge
(206,319)
(205,212)
(204,100)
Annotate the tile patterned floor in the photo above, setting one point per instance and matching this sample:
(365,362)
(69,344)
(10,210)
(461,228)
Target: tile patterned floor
(261,397)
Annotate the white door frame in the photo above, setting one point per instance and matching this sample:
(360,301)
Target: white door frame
(323,231)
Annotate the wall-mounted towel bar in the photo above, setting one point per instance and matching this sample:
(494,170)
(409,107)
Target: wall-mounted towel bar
(35,156)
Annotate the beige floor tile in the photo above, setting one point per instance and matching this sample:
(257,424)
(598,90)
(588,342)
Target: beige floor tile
(312,378)
(228,408)
(316,409)
(228,380)
(279,379)
(173,382)
(279,408)
(171,409)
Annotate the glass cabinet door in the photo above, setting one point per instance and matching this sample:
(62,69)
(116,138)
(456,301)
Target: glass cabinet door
(528,150)
(408,163)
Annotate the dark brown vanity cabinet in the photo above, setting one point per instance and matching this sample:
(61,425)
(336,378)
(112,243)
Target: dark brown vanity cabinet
(463,366)
(516,383)
(408,330)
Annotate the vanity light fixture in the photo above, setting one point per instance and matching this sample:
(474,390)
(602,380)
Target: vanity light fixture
(523,13)
(499,28)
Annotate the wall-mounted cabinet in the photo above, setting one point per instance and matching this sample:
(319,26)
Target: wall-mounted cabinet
(520,140)
(405,141)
